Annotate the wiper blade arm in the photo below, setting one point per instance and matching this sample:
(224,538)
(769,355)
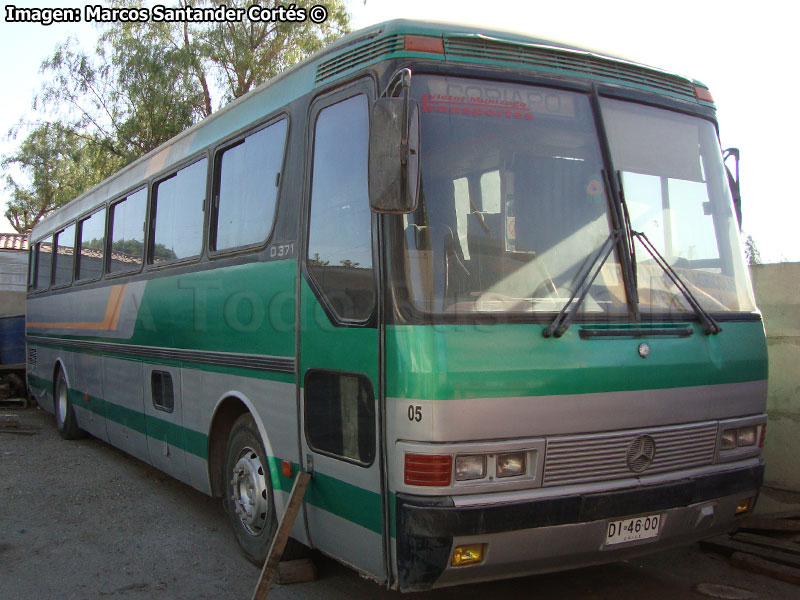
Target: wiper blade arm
(564,318)
(710,325)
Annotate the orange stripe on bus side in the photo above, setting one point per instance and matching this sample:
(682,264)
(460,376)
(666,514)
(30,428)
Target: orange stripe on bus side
(109,322)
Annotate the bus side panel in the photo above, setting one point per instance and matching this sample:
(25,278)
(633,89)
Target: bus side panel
(163,412)
(125,420)
(86,392)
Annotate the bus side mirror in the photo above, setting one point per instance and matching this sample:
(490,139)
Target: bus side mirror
(394,156)
(733,180)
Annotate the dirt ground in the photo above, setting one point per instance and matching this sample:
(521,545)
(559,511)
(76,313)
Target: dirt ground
(83,520)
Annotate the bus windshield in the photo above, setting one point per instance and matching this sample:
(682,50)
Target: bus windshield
(513,206)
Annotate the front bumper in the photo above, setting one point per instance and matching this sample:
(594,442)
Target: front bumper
(549,534)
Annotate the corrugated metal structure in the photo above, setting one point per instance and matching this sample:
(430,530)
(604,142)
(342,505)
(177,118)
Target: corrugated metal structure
(13,272)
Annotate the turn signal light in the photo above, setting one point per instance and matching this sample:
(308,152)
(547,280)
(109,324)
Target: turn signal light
(428,469)
(467,555)
(744,506)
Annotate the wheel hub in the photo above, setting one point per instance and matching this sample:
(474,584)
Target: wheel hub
(62,403)
(249,491)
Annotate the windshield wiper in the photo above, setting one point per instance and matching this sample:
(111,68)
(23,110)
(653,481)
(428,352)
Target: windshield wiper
(710,325)
(562,321)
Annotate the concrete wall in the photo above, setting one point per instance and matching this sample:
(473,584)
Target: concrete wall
(777,289)
(13,274)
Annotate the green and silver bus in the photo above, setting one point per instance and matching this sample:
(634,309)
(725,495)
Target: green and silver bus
(489,289)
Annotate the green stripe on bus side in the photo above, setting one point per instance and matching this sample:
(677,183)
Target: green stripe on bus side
(246,309)
(345,500)
(443,362)
(362,507)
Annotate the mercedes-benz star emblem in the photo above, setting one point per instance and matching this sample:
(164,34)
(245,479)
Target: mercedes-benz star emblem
(641,453)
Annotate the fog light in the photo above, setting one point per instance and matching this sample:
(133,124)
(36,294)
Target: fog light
(511,464)
(467,555)
(746,436)
(728,439)
(470,467)
(744,506)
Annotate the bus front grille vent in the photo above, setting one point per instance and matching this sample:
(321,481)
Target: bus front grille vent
(604,456)
(574,63)
(358,57)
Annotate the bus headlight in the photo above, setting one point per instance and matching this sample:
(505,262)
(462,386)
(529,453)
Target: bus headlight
(511,464)
(741,437)
(470,467)
(728,439)
(746,436)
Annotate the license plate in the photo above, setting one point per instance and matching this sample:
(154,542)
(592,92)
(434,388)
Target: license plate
(632,530)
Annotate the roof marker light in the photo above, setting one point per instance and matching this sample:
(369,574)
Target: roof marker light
(703,94)
(423,43)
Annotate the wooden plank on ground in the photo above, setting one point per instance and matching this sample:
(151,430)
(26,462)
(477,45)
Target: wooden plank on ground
(727,546)
(271,565)
(767,542)
(770,524)
(754,564)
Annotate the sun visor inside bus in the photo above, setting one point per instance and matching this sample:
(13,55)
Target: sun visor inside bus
(665,146)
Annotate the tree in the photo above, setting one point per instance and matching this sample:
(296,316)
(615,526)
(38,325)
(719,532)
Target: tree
(751,252)
(59,164)
(147,82)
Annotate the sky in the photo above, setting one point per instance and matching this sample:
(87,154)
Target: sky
(744,52)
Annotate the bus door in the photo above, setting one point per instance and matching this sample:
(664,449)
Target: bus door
(338,351)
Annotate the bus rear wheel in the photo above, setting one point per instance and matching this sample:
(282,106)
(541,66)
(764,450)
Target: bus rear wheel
(248,490)
(66,423)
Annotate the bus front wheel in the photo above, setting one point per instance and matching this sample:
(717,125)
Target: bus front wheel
(248,491)
(66,423)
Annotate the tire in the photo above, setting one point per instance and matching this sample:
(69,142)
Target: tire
(66,423)
(248,490)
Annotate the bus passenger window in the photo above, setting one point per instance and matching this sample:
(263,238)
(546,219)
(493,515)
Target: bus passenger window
(178,227)
(340,415)
(247,180)
(127,233)
(340,238)
(91,241)
(44,262)
(64,256)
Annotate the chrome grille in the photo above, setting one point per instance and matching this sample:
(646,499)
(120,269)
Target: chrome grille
(568,62)
(358,56)
(604,456)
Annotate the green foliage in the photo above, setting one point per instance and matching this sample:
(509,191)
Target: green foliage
(144,84)
(751,252)
(59,164)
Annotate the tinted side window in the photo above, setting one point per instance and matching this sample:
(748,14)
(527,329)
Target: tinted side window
(127,234)
(91,241)
(247,188)
(178,227)
(44,264)
(340,415)
(65,256)
(340,239)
